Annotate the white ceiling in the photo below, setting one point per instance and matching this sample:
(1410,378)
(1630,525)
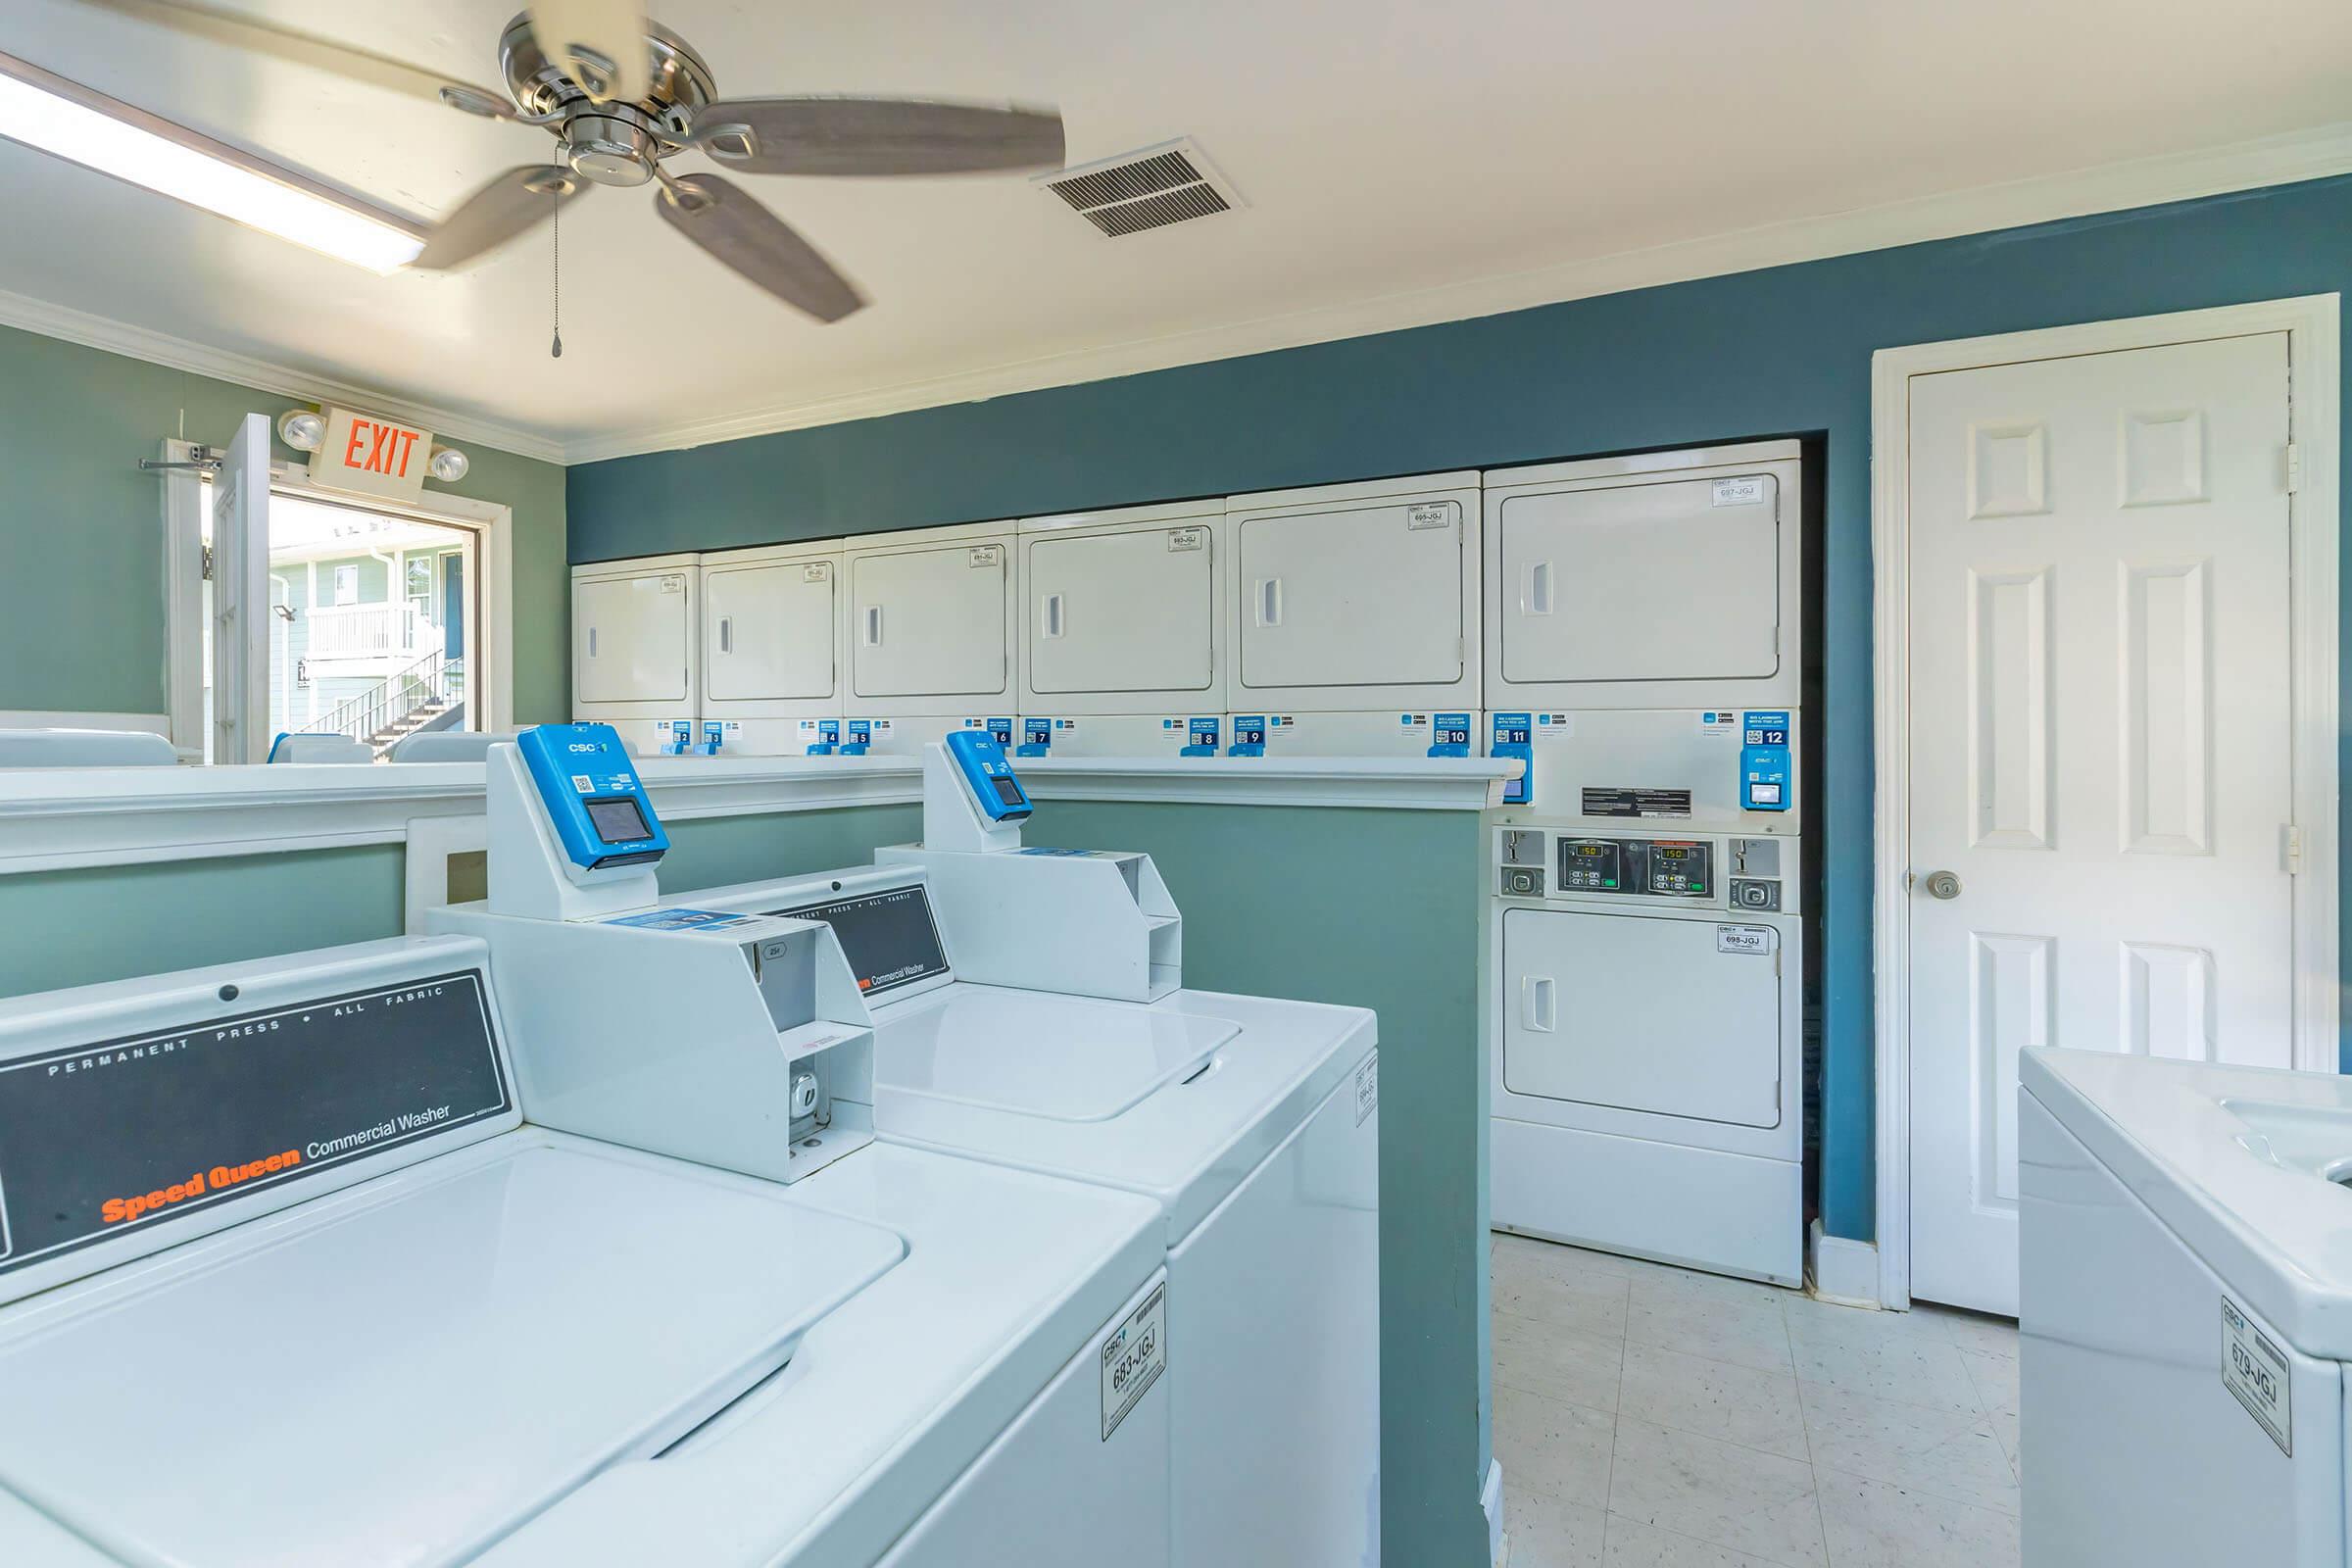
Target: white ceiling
(1386,147)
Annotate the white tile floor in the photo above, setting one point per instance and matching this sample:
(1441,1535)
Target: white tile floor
(1650,1417)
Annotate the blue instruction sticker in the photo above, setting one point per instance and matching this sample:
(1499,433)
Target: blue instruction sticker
(682,920)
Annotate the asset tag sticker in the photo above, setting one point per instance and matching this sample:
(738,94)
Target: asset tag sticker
(1134,1357)
(1742,492)
(1367,1088)
(1743,938)
(1185,539)
(818,571)
(987,555)
(2255,1370)
(1434,515)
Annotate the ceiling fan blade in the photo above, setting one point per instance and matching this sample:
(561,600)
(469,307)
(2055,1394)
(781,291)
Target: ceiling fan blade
(508,206)
(876,136)
(600,44)
(240,31)
(724,220)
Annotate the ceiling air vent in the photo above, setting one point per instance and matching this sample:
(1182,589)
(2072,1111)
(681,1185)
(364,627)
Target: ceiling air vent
(1170,184)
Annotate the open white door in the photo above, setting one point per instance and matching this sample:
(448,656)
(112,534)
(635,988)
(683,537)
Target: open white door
(241,597)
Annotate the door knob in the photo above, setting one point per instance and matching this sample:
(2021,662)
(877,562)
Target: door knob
(1944,885)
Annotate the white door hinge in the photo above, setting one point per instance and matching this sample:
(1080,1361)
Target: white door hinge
(2294,849)
(2295,468)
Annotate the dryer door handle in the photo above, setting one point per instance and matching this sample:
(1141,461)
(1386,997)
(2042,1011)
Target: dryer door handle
(1538,1008)
(1539,588)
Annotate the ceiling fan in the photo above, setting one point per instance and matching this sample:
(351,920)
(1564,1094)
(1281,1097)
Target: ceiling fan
(622,95)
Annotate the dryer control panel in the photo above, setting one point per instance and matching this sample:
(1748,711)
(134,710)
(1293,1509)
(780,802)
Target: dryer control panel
(1704,869)
(1666,869)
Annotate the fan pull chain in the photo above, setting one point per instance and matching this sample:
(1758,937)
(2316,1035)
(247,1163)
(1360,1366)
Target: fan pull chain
(554,346)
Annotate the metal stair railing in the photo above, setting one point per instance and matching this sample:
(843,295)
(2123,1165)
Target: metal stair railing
(427,681)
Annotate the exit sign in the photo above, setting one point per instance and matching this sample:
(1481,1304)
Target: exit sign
(372,455)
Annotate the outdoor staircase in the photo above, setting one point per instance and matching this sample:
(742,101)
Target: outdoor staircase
(428,694)
(382,737)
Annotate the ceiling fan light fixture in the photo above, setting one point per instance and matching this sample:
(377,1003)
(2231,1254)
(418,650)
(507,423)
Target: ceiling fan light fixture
(69,121)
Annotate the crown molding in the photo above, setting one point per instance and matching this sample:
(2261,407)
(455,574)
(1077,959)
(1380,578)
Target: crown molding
(2313,154)
(263,376)
(2111,187)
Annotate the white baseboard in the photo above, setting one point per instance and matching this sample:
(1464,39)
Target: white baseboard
(1844,1271)
(1489,1497)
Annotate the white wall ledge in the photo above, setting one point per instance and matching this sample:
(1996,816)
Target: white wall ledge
(57,818)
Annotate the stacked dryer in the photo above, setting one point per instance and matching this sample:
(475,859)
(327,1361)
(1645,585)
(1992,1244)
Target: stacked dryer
(634,626)
(931,629)
(723,653)
(1644,659)
(1353,611)
(1123,646)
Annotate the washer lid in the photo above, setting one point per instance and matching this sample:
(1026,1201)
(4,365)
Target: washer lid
(2247,1165)
(1040,1054)
(405,1371)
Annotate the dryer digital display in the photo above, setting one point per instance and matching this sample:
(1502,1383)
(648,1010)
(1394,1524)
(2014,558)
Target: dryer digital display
(1595,866)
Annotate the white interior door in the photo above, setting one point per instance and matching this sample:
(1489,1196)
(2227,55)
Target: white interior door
(2100,747)
(1133,611)
(929,622)
(241,615)
(768,632)
(1364,594)
(1673,581)
(633,637)
(1643,1013)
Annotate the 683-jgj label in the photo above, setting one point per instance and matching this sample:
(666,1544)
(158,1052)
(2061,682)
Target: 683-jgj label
(1134,1355)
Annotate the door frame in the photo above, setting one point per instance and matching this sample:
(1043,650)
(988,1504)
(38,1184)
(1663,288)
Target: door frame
(492,523)
(2313,353)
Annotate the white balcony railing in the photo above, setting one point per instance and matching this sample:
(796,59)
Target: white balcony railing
(371,631)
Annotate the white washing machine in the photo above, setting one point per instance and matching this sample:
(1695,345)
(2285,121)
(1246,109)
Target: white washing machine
(2185,1286)
(774,653)
(636,627)
(285,1277)
(1252,1123)
(1648,1043)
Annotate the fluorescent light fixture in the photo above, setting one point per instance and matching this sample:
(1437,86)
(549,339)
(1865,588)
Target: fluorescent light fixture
(47,112)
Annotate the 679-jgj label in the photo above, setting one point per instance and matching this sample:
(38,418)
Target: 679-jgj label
(2255,1370)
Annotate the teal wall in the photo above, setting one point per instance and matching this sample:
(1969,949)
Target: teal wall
(79,927)
(82,596)
(73,928)
(1783,350)
(1378,909)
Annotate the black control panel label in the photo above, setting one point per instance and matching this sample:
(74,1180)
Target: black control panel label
(889,938)
(109,1135)
(1637,803)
